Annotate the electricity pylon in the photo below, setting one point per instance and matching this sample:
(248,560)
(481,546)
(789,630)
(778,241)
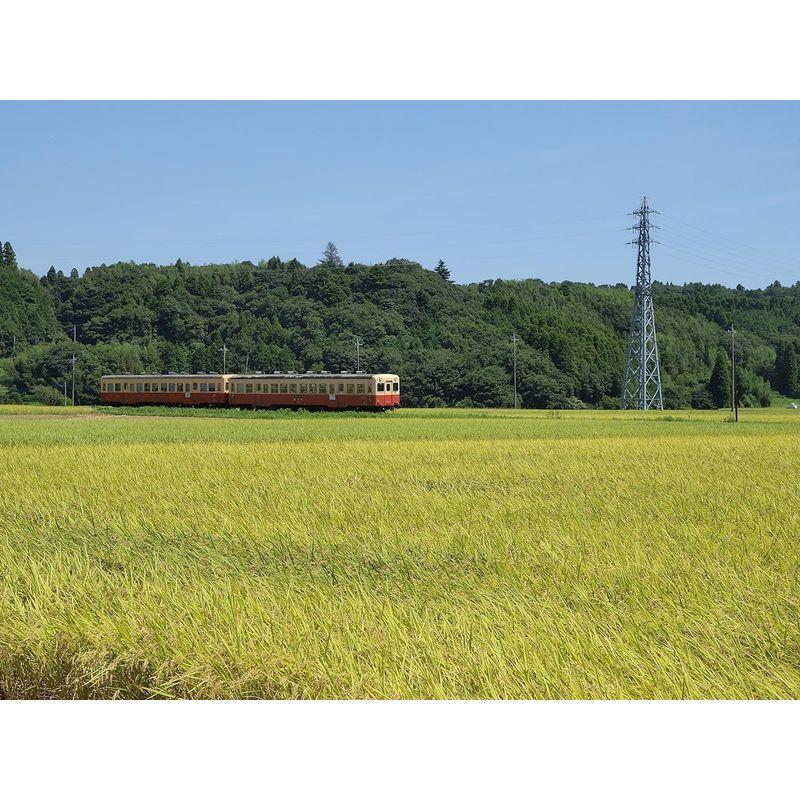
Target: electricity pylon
(641,384)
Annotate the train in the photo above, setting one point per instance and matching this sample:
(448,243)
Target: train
(313,390)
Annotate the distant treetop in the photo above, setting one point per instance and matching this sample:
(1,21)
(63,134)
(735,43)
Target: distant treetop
(442,271)
(330,257)
(8,257)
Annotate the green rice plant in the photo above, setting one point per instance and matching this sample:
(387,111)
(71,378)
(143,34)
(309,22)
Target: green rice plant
(418,554)
(16,410)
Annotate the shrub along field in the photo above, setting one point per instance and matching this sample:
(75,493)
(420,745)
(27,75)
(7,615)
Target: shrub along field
(418,554)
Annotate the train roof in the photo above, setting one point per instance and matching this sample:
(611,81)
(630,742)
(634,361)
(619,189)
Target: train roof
(309,375)
(166,375)
(248,375)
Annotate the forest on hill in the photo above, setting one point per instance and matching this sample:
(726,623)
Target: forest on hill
(450,343)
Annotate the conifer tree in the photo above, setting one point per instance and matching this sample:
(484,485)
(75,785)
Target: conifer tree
(793,374)
(9,257)
(787,368)
(442,271)
(330,257)
(720,383)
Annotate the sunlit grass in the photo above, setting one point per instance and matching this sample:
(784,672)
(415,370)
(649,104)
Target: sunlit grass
(414,554)
(28,410)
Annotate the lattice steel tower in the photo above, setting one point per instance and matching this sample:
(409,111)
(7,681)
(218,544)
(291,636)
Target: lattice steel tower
(641,384)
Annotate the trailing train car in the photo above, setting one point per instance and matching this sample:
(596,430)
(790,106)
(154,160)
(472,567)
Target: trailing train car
(164,390)
(375,391)
(315,390)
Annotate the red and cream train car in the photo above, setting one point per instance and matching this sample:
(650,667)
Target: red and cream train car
(377,391)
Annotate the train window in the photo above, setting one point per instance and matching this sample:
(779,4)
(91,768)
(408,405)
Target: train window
(284,388)
(341,388)
(303,388)
(203,387)
(396,386)
(323,389)
(380,387)
(163,387)
(312,387)
(360,388)
(292,388)
(227,386)
(125,387)
(116,387)
(332,389)
(212,387)
(102,387)
(172,387)
(138,387)
(369,388)
(248,388)
(349,388)
(258,387)
(273,387)
(180,387)
(147,387)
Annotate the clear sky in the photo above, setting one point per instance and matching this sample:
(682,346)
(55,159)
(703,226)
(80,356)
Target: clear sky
(533,189)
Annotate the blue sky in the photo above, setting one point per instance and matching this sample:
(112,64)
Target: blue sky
(525,189)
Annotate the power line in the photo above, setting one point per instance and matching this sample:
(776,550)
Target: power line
(735,269)
(726,239)
(746,262)
(738,275)
(727,250)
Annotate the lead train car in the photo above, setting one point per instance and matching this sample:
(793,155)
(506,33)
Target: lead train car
(378,391)
(315,390)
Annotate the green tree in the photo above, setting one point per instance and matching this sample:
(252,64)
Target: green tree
(449,342)
(720,383)
(330,257)
(442,271)
(9,256)
(787,369)
(793,374)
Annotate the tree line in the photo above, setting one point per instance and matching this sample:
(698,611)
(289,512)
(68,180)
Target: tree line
(450,343)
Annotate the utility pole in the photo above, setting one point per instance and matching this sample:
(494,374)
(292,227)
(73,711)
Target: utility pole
(74,340)
(641,384)
(734,404)
(359,343)
(514,338)
(224,351)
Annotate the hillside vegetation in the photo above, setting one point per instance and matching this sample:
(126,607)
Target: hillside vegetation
(450,343)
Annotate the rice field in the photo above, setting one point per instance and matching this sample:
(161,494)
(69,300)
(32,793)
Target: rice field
(417,554)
